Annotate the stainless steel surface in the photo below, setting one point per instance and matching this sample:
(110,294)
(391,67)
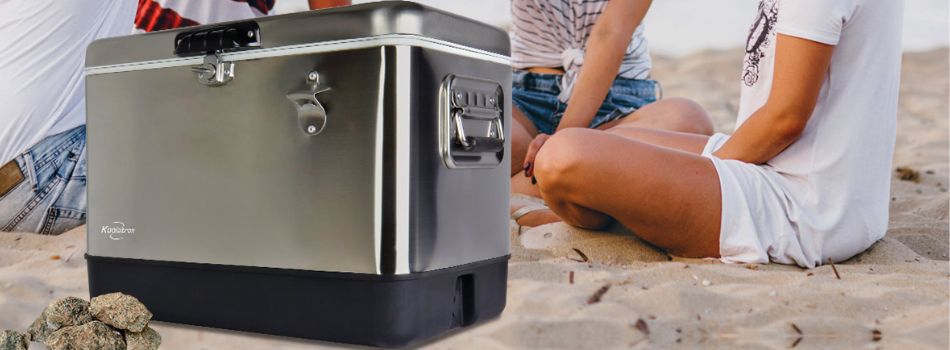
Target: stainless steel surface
(214,71)
(456,215)
(342,23)
(274,170)
(312,48)
(225,176)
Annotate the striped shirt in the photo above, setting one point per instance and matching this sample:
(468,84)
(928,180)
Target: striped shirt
(153,15)
(554,33)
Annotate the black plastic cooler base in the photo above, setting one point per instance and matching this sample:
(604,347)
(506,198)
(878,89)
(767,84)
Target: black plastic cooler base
(376,310)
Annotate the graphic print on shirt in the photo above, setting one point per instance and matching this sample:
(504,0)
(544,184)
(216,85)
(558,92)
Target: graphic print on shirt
(761,36)
(155,15)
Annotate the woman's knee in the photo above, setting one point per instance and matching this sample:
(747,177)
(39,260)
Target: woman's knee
(559,160)
(559,168)
(688,116)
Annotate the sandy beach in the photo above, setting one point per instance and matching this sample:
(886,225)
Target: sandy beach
(629,295)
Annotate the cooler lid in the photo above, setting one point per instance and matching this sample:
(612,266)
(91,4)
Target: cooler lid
(377,19)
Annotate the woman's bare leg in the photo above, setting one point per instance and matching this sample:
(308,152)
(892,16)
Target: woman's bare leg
(654,124)
(523,185)
(522,132)
(669,197)
(674,114)
(685,142)
(682,141)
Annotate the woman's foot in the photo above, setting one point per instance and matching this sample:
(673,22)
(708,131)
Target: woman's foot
(531,211)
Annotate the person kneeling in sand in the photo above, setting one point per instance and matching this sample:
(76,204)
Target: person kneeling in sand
(42,96)
(804,178)
(583,64)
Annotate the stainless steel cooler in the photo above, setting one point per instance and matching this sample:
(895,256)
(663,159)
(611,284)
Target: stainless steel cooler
(339,175)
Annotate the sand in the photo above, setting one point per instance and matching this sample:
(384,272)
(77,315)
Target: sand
(897,292)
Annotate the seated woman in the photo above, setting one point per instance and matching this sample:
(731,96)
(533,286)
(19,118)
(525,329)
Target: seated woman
(804,178)
(584,64)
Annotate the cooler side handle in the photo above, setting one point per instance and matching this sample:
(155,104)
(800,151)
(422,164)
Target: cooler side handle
(471,122)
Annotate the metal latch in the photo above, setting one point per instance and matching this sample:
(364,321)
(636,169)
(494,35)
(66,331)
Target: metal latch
(213,40)
(214,71)
(472,132)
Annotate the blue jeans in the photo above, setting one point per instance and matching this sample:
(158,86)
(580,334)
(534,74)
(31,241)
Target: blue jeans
(536,96)
(50,194)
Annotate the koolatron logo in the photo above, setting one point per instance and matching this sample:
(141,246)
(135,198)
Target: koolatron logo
(117,231)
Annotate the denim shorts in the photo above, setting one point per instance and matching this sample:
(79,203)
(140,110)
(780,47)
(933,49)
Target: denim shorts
(51,197)
(536,96)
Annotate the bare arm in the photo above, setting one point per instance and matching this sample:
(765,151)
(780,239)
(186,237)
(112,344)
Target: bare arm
(608,42)
(800,69)
(320,4)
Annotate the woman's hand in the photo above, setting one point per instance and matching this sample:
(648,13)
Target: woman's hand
(533,149)
(604,53)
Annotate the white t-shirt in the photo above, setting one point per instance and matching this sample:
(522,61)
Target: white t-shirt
(42,89)
(840,167)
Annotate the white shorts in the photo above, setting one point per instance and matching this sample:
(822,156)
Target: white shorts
(757,204)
